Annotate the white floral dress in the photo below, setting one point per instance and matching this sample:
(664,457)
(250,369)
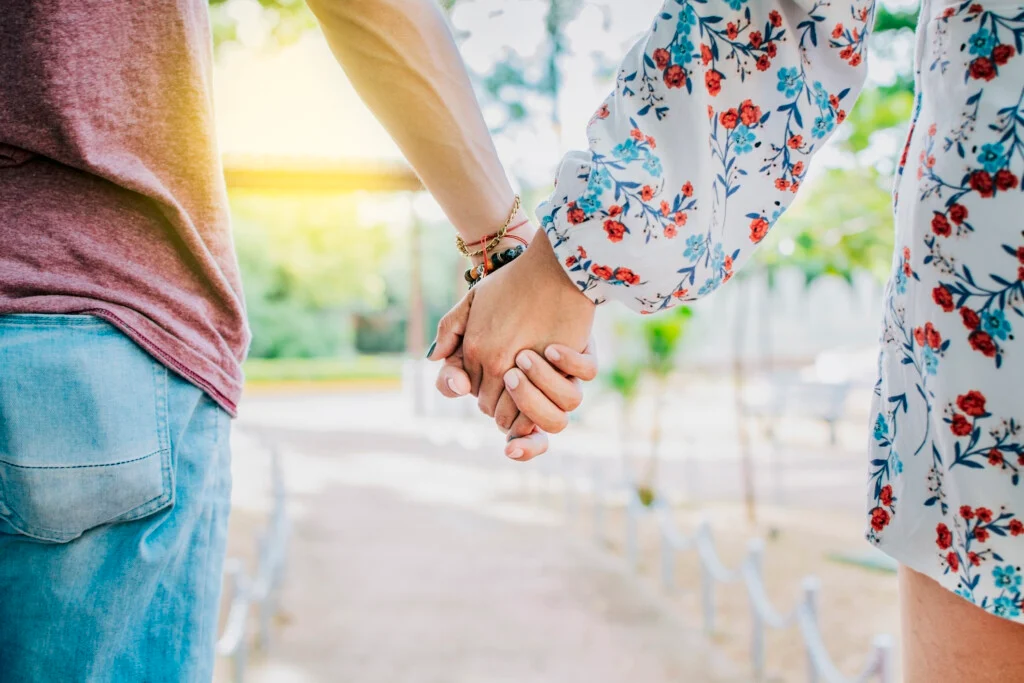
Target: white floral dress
(716,114)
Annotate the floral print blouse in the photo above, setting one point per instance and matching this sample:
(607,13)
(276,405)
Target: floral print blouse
(703,144)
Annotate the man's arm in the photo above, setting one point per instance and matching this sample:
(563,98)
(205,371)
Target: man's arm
(403,62)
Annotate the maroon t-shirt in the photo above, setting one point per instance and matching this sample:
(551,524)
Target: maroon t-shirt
(112,198)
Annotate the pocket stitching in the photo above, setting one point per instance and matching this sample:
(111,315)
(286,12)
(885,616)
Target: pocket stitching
(76,467)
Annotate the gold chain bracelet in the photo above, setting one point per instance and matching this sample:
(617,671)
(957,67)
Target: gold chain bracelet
(491,240)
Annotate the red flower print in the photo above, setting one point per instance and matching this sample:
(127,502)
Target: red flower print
(750,113)
(1020,273)
(960,426)
(680,293)
(973,558)
(856,59)
(713,82)
(650,141)
(1016,527)
(570,262)
(705,54)
(966,512)
(675,77)
(945,537)
(796,142)
(984,515)
(906,253)
(972,403)
(943,298)
(1020,254)
(837,31)
(614,210)
(940,226)
(948,12)
(582,252)
(731,31)
(1005,180)
(879,518)
(763,63)
(982,68)
(958,213)
(976,9)
(775,18)
(846,53)
(615,230)
(670,231)
(1002,53)
(758,229)
(576,214)
(885,496)
(981,341)
(727,263)
(680,218)
(919,335)
(771,50)
(665,208)
(729,118)
(661,57)
(647,193)
(603,272)
(981,534)
(932,336)
(953,561)
(711,113)
(794,187)
(687,189)
(970,318)
(798,169)
(833,101)
(603,112)
(636,134)
(755,39)
(995,457)
(626,275)
(781,184)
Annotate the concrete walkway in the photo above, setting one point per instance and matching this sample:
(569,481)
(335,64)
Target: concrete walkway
(411,565)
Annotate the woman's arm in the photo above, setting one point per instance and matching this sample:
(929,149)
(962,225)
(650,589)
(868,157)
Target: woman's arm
(705,141)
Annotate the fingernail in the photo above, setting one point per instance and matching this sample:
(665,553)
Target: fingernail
(552,353)
(433,346)
(510,437)
(523,361)
(511,379)
(451,385)
(516,454)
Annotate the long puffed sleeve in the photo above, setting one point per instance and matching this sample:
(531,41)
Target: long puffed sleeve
(705,141)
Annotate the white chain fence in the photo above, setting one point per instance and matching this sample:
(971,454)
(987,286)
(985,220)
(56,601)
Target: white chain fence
(820,668)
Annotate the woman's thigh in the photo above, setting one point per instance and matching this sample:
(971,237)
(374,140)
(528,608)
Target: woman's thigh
(947,639)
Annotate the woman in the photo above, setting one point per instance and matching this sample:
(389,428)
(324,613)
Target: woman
(705,141)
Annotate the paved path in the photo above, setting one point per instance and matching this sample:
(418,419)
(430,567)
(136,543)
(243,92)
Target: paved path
(416,567)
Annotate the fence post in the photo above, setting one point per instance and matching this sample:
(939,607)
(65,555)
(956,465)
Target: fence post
(707,583)
(755,558)
(883,645)
(811,587)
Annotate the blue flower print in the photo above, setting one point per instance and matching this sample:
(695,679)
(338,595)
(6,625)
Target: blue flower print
(897,462)
(735,4)
(1006,577)
(709,286)
(590,203)
(901,282)
(790,82)
(823,125)
(991,157)
(687,18)
(995,323)
(931,361)
(881,427)
(744,139)
(695,246)
(965,594)
(821,95)
(652,165)
(717,258)
(682,52)
(1005,607)
(626,151)
(982,43)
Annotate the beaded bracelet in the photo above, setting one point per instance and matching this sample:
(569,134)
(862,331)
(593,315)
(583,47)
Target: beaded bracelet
(490,241)
(497,260)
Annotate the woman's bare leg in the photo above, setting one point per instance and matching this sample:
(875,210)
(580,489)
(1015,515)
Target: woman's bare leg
(948,640)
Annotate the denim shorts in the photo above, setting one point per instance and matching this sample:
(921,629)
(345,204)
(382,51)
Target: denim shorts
(114,496)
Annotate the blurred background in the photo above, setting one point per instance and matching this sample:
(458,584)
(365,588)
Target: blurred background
(379,533)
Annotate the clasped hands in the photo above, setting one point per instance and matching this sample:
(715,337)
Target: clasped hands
(518,341)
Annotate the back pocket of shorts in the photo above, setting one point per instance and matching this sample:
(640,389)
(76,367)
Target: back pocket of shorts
(83,427)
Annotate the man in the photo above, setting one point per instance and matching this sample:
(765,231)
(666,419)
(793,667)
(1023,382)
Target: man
(122,322)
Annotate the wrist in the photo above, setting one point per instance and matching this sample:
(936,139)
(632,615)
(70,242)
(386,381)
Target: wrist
(520,233)
(543,261)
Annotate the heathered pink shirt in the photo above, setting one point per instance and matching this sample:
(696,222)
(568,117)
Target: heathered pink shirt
(112,198)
